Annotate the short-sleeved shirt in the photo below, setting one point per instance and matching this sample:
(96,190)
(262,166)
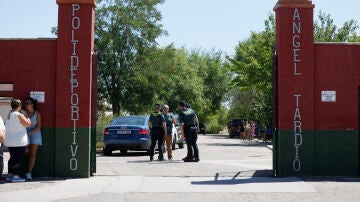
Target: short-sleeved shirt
(187,117)
(169,123)
(157,120)
(16,134)
(2,126)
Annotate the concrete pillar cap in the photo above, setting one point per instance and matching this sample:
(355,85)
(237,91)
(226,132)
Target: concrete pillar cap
(91,2)
(294,4)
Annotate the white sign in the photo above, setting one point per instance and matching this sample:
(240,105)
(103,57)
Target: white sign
(328,96)
(38,95)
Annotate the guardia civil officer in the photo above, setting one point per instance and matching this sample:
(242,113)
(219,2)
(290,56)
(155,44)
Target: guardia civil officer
(187,120)
(187,105)
(157,125)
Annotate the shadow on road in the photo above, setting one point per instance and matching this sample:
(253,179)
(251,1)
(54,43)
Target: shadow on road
(259,176)
(42,180)
(265,176)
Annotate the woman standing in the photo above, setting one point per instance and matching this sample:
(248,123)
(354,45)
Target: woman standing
(34,133)
(16,139)
(252,130)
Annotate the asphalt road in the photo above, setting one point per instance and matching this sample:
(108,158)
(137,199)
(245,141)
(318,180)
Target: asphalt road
(219,156)
(229,170)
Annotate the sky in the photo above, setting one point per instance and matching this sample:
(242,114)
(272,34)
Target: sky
(194,24)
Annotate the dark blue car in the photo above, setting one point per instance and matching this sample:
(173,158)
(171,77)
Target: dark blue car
(127,133)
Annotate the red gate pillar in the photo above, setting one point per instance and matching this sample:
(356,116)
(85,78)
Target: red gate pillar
(295,93)
(74,88)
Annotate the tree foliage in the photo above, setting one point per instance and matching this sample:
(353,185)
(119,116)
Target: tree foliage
(326,31)
(169,75)
(134,73)
(124,30)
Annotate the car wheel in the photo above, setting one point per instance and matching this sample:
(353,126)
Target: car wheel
(107,152)
(174,144)
(181,145)
(204,133)
(123,151)
(231,136)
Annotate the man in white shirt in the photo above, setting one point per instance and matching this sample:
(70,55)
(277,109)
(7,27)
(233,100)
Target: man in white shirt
(2,139)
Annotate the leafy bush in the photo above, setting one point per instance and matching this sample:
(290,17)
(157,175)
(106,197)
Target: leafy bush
(102,122)
(217,122)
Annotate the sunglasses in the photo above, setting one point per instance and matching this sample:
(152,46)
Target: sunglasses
(166,108)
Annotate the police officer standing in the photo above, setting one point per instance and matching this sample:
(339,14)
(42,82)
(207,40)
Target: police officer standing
(157,125)
(187,120)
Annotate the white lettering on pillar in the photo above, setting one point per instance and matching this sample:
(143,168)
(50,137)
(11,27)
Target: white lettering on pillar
(296,43)
(74,84)
(298,139)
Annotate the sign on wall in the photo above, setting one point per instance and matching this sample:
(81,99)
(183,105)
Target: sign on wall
(328,96)
(38,95)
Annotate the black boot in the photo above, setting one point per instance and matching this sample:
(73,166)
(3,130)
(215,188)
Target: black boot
(196,160)
(187,159)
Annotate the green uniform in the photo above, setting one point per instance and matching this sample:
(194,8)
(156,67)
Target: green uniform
(157,133)
(157,120)
(188,117)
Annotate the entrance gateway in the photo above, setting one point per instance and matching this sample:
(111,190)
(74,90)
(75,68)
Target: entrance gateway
(316,97)
(62,74)
(316,93)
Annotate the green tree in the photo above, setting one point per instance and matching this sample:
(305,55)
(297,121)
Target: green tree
(326,31)
(252,66)
(170,75)
(124,30)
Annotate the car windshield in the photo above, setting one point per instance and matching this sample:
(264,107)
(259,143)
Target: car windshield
(132,121)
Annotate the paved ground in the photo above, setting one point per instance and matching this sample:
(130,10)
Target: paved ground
(229,170)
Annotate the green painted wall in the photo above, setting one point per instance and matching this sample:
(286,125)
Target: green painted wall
(337,153)
(323,153)
(53,159)
(63,154)
(44,166)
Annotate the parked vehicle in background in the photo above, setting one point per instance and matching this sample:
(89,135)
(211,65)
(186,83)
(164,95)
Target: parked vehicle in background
(202,128)
(127,133)
(176,134)
(235,128)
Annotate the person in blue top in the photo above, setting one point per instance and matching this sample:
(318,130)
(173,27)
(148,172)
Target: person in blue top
(34,133)
(158,130)
(188,120)
(169,125)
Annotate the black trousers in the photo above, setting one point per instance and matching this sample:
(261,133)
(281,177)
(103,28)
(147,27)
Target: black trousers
(16,157)
(1,161)
(157,136)
(191,142)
